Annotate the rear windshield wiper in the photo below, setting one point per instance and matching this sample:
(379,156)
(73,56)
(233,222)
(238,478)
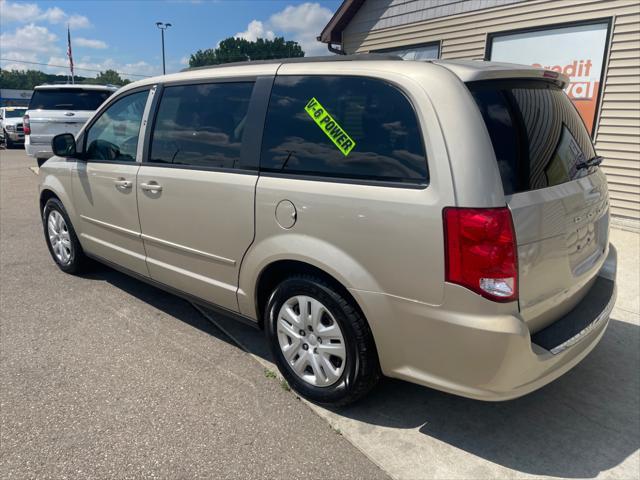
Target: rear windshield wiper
(594,162)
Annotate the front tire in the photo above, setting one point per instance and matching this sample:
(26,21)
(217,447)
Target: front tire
(62,242)
(322,344)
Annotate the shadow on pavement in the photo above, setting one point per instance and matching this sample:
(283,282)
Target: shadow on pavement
(166,302)
(584,423)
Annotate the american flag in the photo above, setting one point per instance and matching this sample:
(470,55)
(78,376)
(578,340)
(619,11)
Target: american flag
(69,52)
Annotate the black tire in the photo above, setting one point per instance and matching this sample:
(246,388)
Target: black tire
(362,369)
(78,261)
(7,141)
(41,161)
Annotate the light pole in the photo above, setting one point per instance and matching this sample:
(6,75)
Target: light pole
(163,27)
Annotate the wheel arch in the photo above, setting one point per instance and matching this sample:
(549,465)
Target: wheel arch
(54,183)
(277,271)
(45,195)
(301,254)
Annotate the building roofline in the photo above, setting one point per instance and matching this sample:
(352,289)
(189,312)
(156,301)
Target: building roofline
(332,32)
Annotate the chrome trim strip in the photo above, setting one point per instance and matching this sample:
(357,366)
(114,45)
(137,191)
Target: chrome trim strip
(589,328)
(190,274)
(113,247)
(192,251)
(126,231)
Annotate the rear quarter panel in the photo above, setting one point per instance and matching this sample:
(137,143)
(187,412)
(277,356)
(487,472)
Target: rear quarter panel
(474,170)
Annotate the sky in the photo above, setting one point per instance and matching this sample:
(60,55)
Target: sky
(122,35)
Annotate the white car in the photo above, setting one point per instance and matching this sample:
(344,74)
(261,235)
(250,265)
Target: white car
(56,109)
(11,125)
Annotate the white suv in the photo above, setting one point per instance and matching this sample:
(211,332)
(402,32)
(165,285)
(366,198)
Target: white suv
(55,109)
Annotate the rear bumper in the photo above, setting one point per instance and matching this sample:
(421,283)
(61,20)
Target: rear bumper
(486,356)
(37,150)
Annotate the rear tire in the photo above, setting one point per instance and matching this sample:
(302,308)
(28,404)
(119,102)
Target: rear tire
(307,361)
(62,242)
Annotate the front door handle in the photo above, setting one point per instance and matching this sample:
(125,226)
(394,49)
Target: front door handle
(152,187)
(123,184)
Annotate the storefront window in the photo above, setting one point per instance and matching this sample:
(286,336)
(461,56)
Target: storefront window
(576,51)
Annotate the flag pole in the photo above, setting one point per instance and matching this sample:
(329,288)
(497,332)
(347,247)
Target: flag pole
(70,55)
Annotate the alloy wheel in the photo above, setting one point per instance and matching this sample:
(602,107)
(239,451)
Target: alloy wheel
(59,237)
(311,341)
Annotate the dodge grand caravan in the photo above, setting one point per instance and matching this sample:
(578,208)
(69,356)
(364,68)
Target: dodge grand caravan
(441,222)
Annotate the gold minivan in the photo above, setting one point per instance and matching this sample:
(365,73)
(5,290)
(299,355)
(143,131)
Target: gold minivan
(440,222)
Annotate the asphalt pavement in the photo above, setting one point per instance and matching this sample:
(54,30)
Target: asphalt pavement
(103,376)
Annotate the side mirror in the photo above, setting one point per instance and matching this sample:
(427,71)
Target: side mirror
(64,145)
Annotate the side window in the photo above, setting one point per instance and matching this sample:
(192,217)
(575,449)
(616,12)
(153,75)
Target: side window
(201,125)
(345,127)
(114,136)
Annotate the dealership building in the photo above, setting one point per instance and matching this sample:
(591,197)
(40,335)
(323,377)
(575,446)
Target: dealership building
(14,98)
(595,42)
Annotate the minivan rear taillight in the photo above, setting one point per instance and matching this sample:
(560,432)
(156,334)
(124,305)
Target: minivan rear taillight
(25,125)
(480,251)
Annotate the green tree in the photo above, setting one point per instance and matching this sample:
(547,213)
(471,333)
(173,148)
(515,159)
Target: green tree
(27,79)
(109,77)
(22,79)
(240,50)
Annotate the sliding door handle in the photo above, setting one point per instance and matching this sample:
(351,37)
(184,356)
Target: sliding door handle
(123,184)
(152,187)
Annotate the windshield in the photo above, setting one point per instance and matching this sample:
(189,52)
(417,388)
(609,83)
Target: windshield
(15,113)
(537,134)
(68,99)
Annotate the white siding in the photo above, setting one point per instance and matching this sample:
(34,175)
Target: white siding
(463,36)
(377,14)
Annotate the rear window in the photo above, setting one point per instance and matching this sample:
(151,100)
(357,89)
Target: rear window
(68,99)
(537,134)
(342,127)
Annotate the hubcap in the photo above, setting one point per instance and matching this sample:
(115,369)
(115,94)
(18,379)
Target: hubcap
(59,237)
(311,341)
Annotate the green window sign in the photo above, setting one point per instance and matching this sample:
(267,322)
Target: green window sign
(330,126)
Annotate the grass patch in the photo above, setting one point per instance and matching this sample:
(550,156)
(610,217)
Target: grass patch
(283,383)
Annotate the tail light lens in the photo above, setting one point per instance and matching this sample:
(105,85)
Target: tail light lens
(26,126)
(481,251)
